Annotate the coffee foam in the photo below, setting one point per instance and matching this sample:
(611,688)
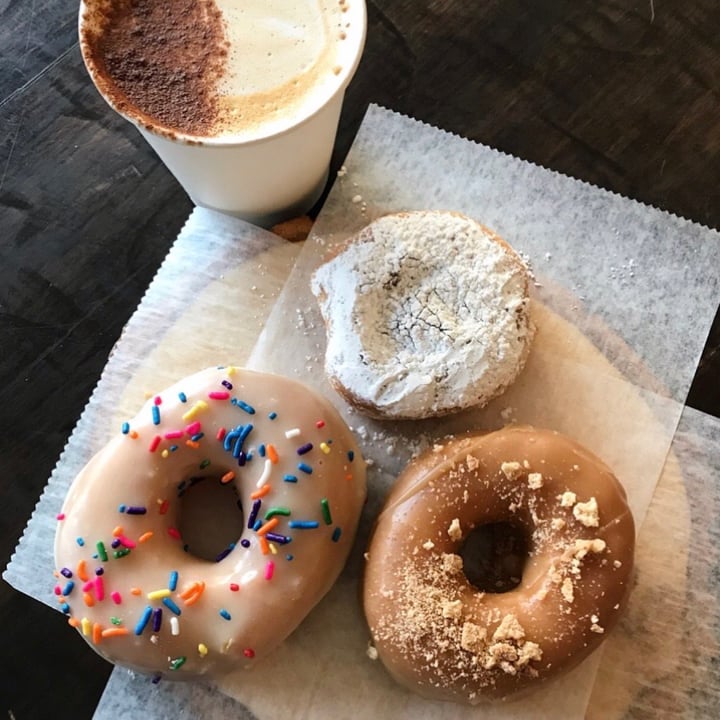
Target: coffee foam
(284,59)
(273,41)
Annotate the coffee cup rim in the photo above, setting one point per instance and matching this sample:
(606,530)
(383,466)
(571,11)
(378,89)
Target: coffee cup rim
(103,84)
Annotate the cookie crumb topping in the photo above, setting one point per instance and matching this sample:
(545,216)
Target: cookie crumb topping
(535,480)
(567,499)
(511,470)
(454,531)
(587,513)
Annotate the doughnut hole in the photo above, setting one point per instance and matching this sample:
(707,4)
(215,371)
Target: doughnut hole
(210,517)
(494,557)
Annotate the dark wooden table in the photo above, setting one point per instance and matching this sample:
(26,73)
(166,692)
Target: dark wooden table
(620,93)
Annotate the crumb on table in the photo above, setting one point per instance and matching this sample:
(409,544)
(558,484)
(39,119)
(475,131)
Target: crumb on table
(295,229)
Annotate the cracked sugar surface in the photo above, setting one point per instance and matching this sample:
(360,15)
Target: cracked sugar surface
(427,313)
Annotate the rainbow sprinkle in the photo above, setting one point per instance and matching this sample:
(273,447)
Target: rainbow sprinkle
(144,620)
(99,588)
(285,511)
(102,552)
(170,605)
(224,553)
(254,513)
(249,409)
(325,505)
(218,395)
(265,475)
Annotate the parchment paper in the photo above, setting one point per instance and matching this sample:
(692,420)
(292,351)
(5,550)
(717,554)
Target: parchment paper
(623,307)
(204,307)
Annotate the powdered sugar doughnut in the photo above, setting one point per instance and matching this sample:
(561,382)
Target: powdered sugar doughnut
(126,578)
(427,313)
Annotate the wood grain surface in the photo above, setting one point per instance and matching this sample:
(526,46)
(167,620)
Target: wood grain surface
(620,93)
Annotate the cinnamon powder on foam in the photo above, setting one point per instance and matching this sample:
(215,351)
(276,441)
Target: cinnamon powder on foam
(164,61)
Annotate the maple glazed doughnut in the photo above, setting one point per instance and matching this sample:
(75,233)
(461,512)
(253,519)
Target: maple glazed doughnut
(125,577)
(438,634)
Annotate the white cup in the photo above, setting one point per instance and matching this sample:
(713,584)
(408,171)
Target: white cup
(263,179)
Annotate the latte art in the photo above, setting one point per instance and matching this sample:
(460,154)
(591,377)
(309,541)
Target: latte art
(240,69)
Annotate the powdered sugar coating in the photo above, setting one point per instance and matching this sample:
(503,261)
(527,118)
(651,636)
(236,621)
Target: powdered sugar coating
(427,313)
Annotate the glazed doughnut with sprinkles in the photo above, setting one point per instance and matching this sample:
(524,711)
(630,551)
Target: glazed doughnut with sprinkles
(143,594)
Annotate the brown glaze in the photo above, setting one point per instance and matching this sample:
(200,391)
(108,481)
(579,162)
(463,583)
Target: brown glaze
(262,611)
(439,635)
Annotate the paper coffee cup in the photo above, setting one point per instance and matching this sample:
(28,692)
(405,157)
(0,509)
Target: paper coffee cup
(261,165)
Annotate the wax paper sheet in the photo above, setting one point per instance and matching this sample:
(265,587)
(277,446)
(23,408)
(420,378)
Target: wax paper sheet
(205,306)
(623,304)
